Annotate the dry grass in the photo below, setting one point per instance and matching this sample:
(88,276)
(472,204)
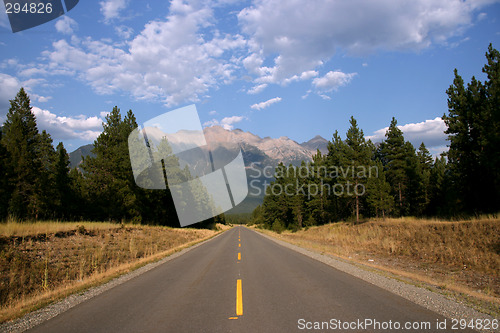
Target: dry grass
(40,267)
(223,227)
(12,228)
(458,256)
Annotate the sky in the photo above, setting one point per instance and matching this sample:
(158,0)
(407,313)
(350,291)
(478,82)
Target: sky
(275,68)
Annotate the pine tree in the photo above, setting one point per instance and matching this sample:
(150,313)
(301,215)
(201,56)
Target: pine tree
(473,121)
(276,202)
(416,186)
(64,193)
(425,164)
(79,205)
(357,154)
(439,189)
(21,140)
(335,160)
(319,202)
(6,179)
(393,154)
(298,199)
(490,136)
(110,186)
(46,194)
(465,146)
(379,192)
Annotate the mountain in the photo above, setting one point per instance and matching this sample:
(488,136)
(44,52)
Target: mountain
(318,142)
(261,156)
(75,157)
(266,150)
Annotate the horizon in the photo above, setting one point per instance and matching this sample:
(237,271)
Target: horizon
(436,155)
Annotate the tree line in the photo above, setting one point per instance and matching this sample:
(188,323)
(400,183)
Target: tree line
(359,179)
(37,182)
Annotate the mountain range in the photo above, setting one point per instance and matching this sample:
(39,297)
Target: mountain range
(267,151)
(259,153)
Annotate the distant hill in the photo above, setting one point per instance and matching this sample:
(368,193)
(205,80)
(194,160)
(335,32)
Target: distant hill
(259,152)
(318,142)
(267,150)
(75,157)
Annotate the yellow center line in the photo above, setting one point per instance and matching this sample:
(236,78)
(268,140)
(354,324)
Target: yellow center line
(239,255)
(239,298)
(239,245)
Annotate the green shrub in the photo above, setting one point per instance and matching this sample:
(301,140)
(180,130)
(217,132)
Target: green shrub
(278,226)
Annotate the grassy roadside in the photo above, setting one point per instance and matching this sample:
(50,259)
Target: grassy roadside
(458,259)
(45,262)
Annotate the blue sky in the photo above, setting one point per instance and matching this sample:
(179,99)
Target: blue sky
(274,68)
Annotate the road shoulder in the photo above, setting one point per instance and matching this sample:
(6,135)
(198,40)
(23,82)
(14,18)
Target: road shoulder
(421,296)
(37,317)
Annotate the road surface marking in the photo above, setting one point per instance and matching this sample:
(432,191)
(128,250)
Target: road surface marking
(239,245)
(239,255)
(239,298)
(233,317)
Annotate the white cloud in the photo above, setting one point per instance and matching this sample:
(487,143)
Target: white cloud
(66,25)
(226,123)
(481,16)
(180,58)
(332,81)
(124,32)
(430,132)
(111,8)
(40,99)
(263,105)
(257,89)
(210,123)
(436,151)
(168,61)
(9,86)
(212,113)
(297,36)
(303,76)
(253,64)
(308,75)
(63,128)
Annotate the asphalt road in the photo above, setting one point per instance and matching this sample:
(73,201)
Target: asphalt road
(243,282)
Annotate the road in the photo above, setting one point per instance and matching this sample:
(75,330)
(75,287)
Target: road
(240,281)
